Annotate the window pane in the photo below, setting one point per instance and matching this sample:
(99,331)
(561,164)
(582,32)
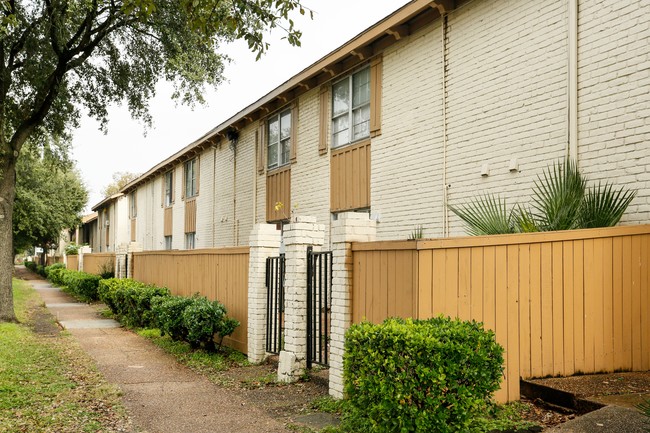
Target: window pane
(273,155)
(285,125)
(340,124)
(361,122)
(341,138)
(285,146)
(273,131)
(168,189)
(341,97)
(361,88)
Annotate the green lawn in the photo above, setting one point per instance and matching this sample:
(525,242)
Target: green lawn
(47,383)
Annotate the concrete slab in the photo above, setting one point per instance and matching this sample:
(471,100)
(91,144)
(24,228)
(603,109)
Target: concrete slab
(605,420)
(89,324)
(624,400)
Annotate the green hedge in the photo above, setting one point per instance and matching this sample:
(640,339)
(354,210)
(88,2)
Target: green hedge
(50,268)
(30,265)
(419,375)
(131,300)
(82,285)
(56,275)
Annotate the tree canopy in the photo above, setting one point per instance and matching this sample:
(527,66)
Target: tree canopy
(49,199)
(120,180)
(61,58)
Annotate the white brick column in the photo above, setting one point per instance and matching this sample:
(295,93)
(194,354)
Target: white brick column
(133,247)
(121,252)
(349,227)
(302,232)
(264,242)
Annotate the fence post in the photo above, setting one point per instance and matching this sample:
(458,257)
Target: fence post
(264,242)
(121,252)
(133,247)
(302,232)
(349,227)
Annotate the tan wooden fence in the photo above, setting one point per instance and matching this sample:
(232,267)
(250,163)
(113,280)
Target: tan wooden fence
(50,260)
(96,263)
(72,263)
(219,274)
(560,303)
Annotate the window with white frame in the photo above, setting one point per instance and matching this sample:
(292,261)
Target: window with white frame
(190,239)
(190,179)
(168,242)
(351,108)
(279,139)
(169,185)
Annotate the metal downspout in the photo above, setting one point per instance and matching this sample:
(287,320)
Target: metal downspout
(572,120)
(445,210)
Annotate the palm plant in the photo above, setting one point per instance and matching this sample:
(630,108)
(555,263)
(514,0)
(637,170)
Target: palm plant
(561,201)
(487,215)
(644,408)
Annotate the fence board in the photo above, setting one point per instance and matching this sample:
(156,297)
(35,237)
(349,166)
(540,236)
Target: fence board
(560,303)
(96,263)
(218,274)
(72,263)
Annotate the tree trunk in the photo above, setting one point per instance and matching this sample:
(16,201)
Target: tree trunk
(7,196)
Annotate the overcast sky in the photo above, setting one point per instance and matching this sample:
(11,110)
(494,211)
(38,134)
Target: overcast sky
(125,148)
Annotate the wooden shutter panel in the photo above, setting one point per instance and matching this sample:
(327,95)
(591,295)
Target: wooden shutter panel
(324,119)
(197,172)
(293,157)
(376,75)
(163,187)
(261,146)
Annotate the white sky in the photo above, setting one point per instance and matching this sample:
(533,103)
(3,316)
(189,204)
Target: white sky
(125,148)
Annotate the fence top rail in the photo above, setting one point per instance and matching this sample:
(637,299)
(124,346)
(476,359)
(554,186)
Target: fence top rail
(99,255)
(200,252)
(510,239)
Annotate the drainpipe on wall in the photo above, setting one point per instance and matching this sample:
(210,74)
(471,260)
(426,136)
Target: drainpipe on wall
(214,191)
(257,141)
(234,196)
(445,210)
(572,127)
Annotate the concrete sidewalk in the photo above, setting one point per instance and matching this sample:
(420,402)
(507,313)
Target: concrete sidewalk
(160,395)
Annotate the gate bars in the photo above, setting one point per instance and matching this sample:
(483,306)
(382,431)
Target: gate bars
(319,288)
(275,304)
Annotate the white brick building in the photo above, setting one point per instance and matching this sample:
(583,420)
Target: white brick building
(453,89)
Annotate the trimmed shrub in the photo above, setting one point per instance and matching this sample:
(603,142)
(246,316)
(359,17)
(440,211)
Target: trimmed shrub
(131,300)
(30,265)
(203,319)
(82,285)
(56,275)
(419,375)
(169,316)
(40,270)
(50,268)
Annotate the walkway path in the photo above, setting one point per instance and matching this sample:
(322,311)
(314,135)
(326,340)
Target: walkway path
(160,395)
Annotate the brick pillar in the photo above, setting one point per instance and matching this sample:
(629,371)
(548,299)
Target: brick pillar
(133,247)
(302,233)
(264,242)
(349,227)
(121,252)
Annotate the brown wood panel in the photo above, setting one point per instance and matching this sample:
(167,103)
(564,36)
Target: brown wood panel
(278,190)
(168,221)
(628,281)
(547,308)
(617,302)
(73,263)
(645,300)
(190,216)
(524,311)
(568,308)
(501,315)
(219,274)
(95,263)
(558,310)
(133,225)
(635,300)
(579,306)
(536,364)
(597,294)
(608,306)
(350,177)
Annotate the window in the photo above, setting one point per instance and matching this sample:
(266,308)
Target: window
(189,240)
(191,185)
(168,242)
(133,209)
(351,108)
(169,188)
(279,139)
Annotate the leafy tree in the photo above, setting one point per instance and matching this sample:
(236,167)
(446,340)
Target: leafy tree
(49,199)
(120,180)
(58,57)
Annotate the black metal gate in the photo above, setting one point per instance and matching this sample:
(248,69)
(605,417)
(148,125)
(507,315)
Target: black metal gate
(274,304)
(319,289)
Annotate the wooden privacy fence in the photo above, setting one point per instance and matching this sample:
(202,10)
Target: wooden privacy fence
(96,263)
(72,263)
(560,303)
(219,274)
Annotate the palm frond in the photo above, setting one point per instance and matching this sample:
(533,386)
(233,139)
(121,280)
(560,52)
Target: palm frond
(524,221)
(557,197)
(487,215)
(603,206)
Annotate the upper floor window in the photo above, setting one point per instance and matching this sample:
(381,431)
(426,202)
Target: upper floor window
(279,139)
(191,186)
(133,208)
(351,108)
(169,188)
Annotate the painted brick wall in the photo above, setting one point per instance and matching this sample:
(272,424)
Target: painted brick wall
(614,97)
(204,201)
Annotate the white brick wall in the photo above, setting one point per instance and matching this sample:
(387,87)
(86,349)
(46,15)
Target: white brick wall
(614,97)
